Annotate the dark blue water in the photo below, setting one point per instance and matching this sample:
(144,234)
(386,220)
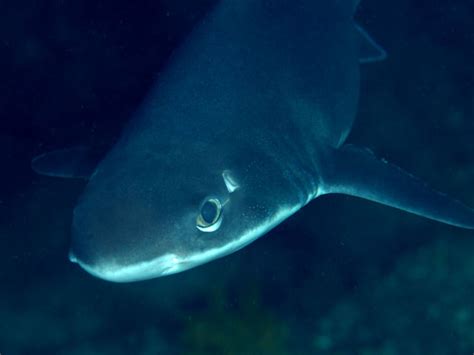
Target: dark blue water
(343,276)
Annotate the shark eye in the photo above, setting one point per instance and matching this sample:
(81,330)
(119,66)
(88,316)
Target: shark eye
(210,216)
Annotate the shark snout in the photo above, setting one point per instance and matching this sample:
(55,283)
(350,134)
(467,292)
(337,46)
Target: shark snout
(110,270)
(114,255)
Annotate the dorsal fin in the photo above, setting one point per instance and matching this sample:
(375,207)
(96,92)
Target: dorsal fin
(355,5)
(369,50)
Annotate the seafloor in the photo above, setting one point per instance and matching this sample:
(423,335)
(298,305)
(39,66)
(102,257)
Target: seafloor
(343,276)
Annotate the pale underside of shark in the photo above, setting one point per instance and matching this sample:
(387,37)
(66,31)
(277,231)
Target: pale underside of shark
(245,126)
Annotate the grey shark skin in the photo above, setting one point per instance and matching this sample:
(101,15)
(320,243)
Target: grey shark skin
(245,126)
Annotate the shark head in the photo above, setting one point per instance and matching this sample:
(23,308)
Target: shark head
(145,217)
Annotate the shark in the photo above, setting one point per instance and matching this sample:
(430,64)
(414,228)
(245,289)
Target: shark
(247,124)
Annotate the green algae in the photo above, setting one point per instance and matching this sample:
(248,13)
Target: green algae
(240,324)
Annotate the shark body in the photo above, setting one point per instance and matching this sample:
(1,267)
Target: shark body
(245,126)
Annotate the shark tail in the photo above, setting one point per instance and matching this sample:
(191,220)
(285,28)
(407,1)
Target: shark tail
(357,172)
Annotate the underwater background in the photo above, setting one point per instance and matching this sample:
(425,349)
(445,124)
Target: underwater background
(342,276)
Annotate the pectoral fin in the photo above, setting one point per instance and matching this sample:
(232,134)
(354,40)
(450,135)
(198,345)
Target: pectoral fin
(77,162)
(357,172)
